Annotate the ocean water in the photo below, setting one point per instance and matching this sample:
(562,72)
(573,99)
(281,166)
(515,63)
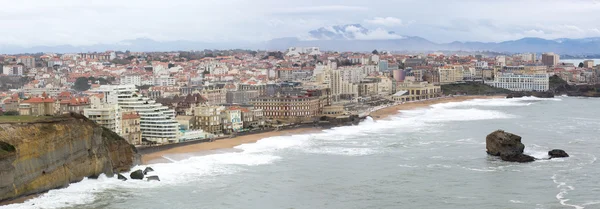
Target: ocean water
(432,157)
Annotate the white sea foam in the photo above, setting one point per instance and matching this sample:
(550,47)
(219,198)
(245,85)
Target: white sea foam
(564,190)
(485,103)
(177,172)
(346,151)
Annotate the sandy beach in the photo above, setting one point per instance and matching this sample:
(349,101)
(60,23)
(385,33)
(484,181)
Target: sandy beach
(393,110)
(206,148)
(202,148)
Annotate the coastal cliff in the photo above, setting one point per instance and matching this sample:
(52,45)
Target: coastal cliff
(45,154)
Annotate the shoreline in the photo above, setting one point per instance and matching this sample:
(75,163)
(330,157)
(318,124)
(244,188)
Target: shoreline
(383,113)
(200,148)
(203,148)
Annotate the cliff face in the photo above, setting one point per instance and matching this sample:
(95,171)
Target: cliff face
(48,154)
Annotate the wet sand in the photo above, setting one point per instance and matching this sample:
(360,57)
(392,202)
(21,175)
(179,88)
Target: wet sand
(205,148)
(393,110)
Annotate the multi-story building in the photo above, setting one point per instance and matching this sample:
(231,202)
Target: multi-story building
(521,82)
(76,105)
(105,115)
(288,107)
(368,87)
(232,120)
(383,66)
(12,70)
(588,63)
(208,118)
(38,106)
(413,91)
(550,59)
(130,127)
(28,61)
(240,97)
(131,79)
(157,122)
(50,91)
(214,95)
(450,74)
(164,80)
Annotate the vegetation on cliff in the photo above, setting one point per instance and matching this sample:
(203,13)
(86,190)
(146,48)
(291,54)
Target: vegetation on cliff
(472,88)
(6,149)
(560,86)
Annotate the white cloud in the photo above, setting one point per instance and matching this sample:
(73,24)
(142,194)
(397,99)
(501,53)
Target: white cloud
(42,22)
(319,9)
(377,34)
(386,21)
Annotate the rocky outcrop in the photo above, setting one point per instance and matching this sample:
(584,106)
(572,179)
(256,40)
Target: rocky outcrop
(52,153)
(557,153)
(506,145)
(152,178)
(121,177)
(137,174)
(148,170)
(503,143)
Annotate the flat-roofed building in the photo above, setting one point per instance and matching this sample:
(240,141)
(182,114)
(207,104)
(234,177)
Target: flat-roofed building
(414,91)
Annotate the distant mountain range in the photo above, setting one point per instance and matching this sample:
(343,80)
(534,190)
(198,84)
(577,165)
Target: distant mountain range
(353,37)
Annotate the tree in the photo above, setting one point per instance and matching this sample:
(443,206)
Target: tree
(375,51)
(81,84)
(581,64)
(12,112)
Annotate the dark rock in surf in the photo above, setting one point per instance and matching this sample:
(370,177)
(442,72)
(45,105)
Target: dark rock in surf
(520,158)
(147,170)
(500,143)
(121,177)
(557,153)
(506,145)
(152,178)
(138,174)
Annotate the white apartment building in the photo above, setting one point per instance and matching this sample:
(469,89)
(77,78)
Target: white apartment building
(157,122)
(339,86)
(13,70)
(132,79)
(106,115)
(521,82)
(164,80)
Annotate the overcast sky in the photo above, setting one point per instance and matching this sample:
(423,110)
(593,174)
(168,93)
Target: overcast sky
(82,22)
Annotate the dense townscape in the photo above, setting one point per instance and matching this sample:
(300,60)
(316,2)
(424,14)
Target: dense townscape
(170,97)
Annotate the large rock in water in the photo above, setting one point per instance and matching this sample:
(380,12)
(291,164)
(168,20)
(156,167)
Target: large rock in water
(557,153)
(36,156)
(500,143)
(506,145)
(138,174)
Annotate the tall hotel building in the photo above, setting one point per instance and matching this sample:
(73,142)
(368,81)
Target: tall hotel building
(157,122)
